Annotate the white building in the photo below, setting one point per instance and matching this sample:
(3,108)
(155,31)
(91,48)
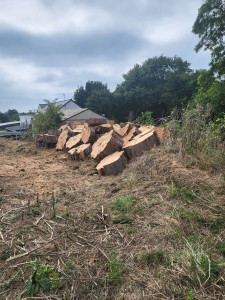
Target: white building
(25,120)
(65,105)
(73,112)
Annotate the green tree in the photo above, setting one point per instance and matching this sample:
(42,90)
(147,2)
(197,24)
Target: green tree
(80,96)
(50,119)
(3,117)
(210,27)
(100,101)
(210,92)
(12,115)
(95,96)
(158,85)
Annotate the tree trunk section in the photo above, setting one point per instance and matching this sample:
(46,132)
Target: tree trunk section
(101,129)
(131,134)
(106,145)
(163,134)
(64,136)
(146,128)
(80,152)
(116,127)
(124,130)
(88,135)
(74,141)
(112,164)
(137,146)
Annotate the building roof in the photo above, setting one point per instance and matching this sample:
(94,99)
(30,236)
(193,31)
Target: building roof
(63,102)
(9,123)
(43,105)
(58,103)
(72,112)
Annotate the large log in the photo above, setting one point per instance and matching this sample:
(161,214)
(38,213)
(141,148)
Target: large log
(116,127)
(74,141)
(39,140)
(78,129)
(144,133)
(163,133)
(101,129)
(137,146)
(124,130)
(112,164)
(80,152)
(95,122)
(131,134)
(144,128)
(63,127)
(88,135)
(49,140)
(64,136)
(75,124)
(106,145)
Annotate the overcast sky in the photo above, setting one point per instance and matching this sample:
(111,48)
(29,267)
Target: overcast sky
(50,47)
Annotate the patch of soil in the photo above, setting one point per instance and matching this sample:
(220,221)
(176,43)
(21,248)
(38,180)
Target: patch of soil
(61,211)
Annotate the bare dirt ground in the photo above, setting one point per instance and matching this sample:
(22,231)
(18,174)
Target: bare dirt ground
(156,231)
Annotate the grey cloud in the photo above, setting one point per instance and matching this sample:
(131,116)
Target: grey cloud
(62,60)
(49,49)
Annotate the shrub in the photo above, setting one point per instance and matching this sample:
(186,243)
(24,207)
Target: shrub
(50,119)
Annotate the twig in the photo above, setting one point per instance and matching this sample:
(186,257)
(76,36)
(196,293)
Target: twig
(95,247)
(24,263)
(4,292)
(26,253)
(11,211)
(2,235)
(39,219)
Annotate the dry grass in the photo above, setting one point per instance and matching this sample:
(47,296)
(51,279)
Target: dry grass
(61,212)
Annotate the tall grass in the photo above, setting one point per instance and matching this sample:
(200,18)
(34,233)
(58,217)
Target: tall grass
(194,134)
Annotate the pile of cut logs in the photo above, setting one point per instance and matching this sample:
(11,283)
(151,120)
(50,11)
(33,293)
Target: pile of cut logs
(111,146)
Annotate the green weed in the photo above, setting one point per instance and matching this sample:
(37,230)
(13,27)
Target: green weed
(152,224)
(122,219)
(42,277)
(35,211)
(123,204)
(196,263)
(182,192)
(222,248)
(130,229)
(132,180)
(153,258)
(116,268)
(190,295)
(115,190)
(7,283)
(69,266)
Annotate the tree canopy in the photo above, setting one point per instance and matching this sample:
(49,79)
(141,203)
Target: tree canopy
(95,96)
(9,116)
(210,27)
(158,85)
